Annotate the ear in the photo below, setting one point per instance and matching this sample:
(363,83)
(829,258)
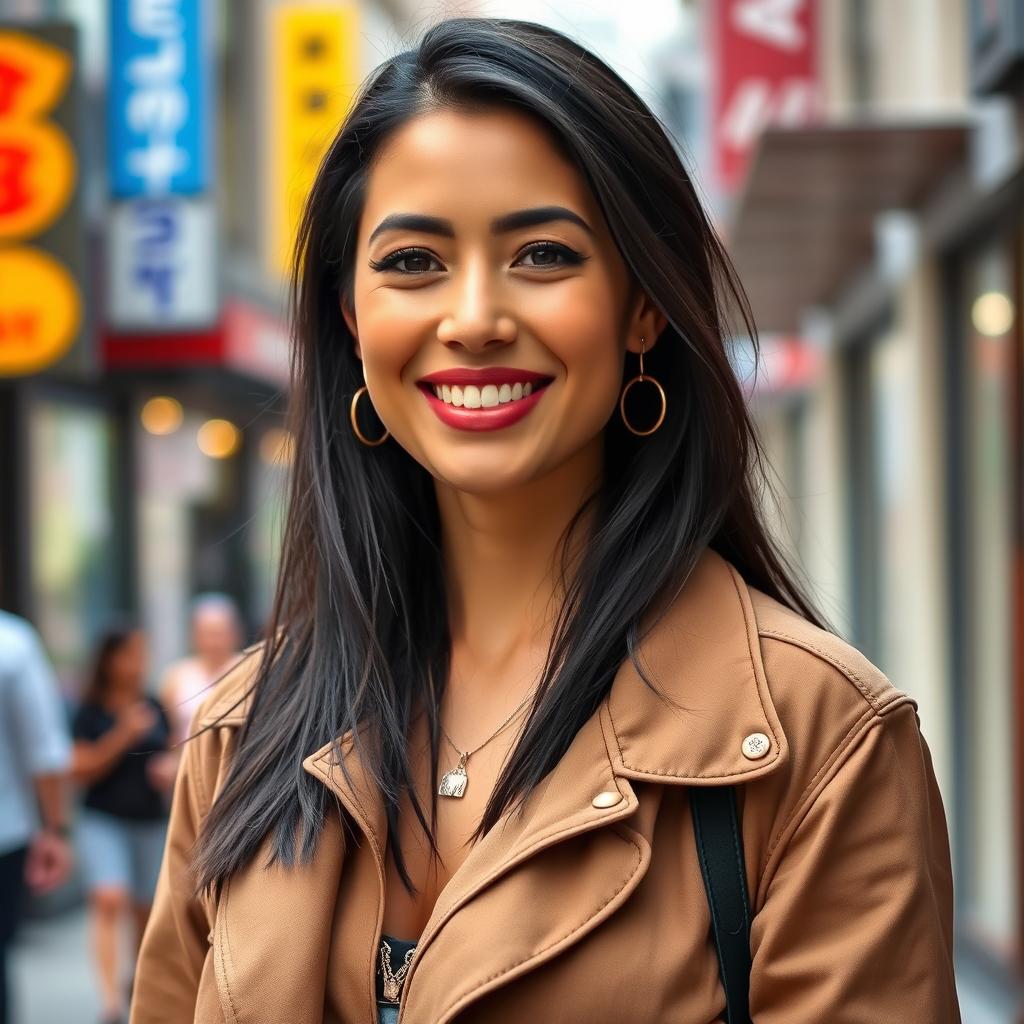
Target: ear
(350,321)
(647,322)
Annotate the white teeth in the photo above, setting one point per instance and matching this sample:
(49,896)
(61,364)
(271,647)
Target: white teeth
(487,397)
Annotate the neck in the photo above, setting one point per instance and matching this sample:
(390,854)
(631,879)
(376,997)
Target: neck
(503,563)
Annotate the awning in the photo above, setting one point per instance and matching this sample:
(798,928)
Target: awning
(805,221)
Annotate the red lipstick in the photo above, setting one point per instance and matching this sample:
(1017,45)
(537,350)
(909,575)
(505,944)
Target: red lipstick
(489,398)
(497,375)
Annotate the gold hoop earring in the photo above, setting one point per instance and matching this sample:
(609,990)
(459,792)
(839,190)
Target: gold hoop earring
(641,378)
(355,423)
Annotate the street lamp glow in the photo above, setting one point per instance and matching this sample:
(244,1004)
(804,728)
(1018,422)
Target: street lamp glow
(218,439)
(162,415)
(992,314)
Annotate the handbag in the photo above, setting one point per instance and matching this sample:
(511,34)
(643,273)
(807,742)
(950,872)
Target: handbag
(720,852)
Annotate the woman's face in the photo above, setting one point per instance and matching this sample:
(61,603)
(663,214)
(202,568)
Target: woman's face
(127,665)
(492,308)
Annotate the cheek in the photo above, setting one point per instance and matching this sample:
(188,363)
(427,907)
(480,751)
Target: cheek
(584,333)
(390,333)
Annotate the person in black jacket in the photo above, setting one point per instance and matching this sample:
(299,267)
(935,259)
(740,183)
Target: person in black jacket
(121,736)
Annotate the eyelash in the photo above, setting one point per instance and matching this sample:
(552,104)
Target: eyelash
(571,257)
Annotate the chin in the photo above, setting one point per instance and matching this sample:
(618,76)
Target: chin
(482,473)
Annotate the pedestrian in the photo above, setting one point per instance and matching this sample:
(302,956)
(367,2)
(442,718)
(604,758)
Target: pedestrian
(216,634)
(544,727)
(35,852)
(119,733)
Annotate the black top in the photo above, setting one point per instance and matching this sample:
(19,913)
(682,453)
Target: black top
(125,791)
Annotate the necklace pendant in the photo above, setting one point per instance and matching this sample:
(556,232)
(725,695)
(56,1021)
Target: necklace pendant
(454,781)
(392,990)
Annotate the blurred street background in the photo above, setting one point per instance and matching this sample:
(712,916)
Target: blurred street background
(864,160)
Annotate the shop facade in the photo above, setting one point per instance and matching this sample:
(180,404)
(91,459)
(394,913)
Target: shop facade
(899,257)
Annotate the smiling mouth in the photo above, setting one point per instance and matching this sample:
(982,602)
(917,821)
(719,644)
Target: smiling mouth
(483,399)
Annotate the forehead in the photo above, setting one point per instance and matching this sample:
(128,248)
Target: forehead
(452,163)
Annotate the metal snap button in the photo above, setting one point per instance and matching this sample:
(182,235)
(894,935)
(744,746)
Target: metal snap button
(756,745)
(609,798)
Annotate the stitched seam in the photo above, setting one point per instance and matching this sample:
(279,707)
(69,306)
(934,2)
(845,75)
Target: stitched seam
(831,658)
(561,938)
(201,787)
(371,959)
(459,899)
(228,963)
(862,724)
(750,650)
(674,775)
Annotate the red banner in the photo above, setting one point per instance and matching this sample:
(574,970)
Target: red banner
(765,61)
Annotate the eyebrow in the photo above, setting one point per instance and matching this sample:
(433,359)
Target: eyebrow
(507,222)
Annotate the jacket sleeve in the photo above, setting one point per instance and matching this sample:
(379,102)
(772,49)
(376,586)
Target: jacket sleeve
(857,917)
(174,948)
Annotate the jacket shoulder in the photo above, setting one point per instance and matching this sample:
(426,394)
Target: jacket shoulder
(798,651)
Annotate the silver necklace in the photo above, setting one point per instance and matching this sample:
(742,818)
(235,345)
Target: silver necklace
(455,780)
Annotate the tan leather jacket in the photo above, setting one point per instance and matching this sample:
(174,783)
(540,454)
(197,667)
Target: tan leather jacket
(584,913)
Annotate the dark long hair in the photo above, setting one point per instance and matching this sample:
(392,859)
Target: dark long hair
(358,630)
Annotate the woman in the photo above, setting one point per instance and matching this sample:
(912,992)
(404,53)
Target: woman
(119,735)
(216,637)
(527,604)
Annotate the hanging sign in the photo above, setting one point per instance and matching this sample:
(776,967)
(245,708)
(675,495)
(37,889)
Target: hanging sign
(158,98)
(40,233)
(765,56)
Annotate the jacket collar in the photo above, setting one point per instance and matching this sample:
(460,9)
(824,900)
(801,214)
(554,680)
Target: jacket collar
(703,654)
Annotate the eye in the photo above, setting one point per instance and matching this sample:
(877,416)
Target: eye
(416,261)
(550,254)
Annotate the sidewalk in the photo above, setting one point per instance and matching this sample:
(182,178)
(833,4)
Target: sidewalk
(51,974)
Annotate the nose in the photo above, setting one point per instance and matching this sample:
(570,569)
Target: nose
(476,321)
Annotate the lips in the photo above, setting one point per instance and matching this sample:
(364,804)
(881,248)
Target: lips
(483,399)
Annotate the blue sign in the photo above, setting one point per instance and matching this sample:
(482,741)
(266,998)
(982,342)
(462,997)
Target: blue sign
(162,272)
(158,101)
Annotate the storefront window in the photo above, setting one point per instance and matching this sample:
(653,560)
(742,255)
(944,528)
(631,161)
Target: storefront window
(72,534)
(986,556)
(881,513)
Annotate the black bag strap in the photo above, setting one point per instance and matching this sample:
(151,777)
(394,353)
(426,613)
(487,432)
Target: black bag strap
(720,851)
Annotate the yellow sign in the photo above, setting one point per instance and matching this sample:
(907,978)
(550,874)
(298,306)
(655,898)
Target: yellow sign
(40,305)
(33,76)
(314,63)
(40,310)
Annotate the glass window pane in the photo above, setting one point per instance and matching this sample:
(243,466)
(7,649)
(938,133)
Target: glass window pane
(989,473)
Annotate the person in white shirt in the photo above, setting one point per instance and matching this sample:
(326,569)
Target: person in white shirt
(35,750)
